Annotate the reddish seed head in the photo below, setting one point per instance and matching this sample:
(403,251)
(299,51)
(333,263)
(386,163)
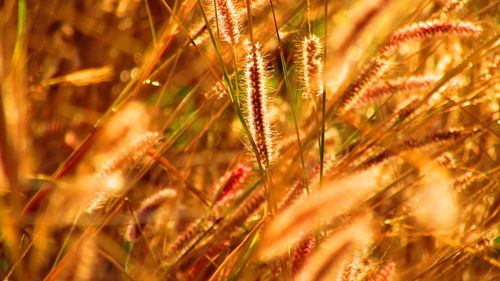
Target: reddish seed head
(230,183)
(302,252)
(257,100)
(377,93)
(430,29)
(355,93)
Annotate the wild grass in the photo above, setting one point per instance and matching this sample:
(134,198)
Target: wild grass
(250,140)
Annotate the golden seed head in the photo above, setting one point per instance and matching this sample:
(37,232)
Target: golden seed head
(312,67)
(228,21)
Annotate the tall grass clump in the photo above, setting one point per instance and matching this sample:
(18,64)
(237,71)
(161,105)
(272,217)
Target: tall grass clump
(249,140)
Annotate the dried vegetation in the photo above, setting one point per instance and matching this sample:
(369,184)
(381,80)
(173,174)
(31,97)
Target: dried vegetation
(250,140)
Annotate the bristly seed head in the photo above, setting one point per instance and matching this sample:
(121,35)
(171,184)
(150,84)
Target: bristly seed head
(377,93)
(228,21)
(129,154)
(257,100)
(147,210)
(301,252)
(356,91)
(429,29)
(110,172)
(230,183)
(312,67)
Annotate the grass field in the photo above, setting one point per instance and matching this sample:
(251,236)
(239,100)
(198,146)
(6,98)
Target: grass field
(250,140)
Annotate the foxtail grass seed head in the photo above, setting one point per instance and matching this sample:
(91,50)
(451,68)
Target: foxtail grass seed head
(377,93)
(436,138)
(414,143)
(301,252)
(312,67)
(430,29)
(325,262)
(111,172)
(187,238)
(357,90)
(454,5)
(405,111)
(257,103)
(230,183)
(129,154)
(235,221)
(228,21)
(147,210)
(354,268)
(296,192)
(103,187)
